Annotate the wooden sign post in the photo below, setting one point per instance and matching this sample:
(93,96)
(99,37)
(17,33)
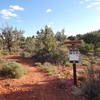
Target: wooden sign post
(74,56)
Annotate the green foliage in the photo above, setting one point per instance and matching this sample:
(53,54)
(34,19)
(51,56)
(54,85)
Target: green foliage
(47,64)
(46,67)
(2,52)
(91,38)
(60,56)
(81,78)
(68,64)
(12,70)
(28,47)
(38,64)
(80,71)
(85,63)
(91,87)
(2,62)
(86,48)
(49,70)
(81,74)
(1,43)
(11,38)
(47,48)
(46,40)
(98,61)
(26,54)
(97,52)
(60,36)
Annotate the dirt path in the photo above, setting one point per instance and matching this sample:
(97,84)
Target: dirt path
(36,85)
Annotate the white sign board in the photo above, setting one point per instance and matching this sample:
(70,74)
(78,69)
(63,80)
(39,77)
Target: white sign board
(74,55)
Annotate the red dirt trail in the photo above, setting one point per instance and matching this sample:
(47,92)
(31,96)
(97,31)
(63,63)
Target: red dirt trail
(35,85)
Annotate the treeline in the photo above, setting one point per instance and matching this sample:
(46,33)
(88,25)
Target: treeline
(92,43)
(46,46)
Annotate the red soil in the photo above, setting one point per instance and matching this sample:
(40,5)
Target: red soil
(36,85)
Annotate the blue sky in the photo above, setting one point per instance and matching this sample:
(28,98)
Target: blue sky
(75,16)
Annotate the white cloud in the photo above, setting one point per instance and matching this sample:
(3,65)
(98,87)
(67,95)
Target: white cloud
(93,4)
(48,10)
(6,14)
(16,7)
(89,6)
(96,3)
(10,12)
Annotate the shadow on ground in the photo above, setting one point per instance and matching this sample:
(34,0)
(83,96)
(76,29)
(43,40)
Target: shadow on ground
(45,90)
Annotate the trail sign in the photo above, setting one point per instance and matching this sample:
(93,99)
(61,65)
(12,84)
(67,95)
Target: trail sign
(74,56)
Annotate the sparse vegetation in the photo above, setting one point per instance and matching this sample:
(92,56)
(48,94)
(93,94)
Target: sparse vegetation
(85,63)
(12,70)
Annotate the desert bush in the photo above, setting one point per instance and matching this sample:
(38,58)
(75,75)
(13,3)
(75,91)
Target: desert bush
(49,70)
(38,64)
(12,70)
(91,87)
(4,52)
(47,64)
(97,61)
(60,56)
(85,63)
(86,48)
(2,61)
(26,54)
(80,71)
(81,78)
(90,90)
(46,67)
(48,49)
(81,75)
(68,64)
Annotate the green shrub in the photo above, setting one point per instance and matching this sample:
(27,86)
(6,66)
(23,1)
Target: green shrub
(38,64)
(26,55)
(97,61)
(68,64)
(91,88)
(81,75)
(86,48)
(49,70)
(12,70)
(2,61)
(46,67)
(80,71)
(81,78)
(4,53)
(85,63)
(47,64)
